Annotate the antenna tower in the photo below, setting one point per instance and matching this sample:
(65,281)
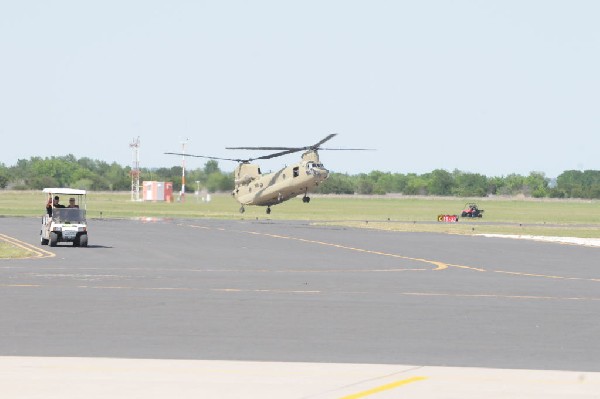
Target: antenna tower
(135,170)
(182,192)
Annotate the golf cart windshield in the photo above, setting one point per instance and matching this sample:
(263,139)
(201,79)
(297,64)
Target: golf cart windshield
(68,215)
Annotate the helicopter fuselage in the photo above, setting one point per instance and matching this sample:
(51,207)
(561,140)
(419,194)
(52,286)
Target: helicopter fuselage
(254,188)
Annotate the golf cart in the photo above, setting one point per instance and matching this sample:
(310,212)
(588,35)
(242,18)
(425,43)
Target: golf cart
(65,224)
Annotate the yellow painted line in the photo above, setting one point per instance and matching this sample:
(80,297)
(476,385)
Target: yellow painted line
(537,297)
(438,264)
(383,388)
(20,285)
(477,269)
(37,252)
(546,276)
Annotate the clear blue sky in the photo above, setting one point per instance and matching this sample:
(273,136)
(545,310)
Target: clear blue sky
(485,87)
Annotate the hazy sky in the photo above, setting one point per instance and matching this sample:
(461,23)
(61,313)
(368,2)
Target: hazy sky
(486,87)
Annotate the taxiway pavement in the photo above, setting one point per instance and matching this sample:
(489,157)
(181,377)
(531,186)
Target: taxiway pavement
(277,291)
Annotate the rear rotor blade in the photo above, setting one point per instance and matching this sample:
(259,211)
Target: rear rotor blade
(207,157)
(265,148)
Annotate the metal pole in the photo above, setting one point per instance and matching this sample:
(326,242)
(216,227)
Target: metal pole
(182,193)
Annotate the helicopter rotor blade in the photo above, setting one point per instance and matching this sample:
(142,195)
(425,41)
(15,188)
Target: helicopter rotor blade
(347,149)
(293,149)
(281,151)
(208,157)
(329,137)
(279,154)
(266,148)
(290,150)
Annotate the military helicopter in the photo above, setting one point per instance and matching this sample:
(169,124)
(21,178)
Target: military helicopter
(267,189)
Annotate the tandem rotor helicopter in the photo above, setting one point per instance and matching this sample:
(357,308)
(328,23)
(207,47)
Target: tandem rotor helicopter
(255,188)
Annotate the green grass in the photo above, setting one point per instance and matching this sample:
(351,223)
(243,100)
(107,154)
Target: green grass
(574,218)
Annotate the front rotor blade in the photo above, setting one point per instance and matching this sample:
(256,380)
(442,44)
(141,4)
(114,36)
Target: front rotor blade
(294,149)
(316,146)
(347,149)
(279,154)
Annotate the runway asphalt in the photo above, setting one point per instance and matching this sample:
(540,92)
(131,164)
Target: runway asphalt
(287,294)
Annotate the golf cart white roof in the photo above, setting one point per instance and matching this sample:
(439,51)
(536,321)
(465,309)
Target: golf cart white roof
(66,191)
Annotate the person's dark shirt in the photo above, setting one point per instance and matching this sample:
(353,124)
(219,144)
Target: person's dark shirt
(49,208)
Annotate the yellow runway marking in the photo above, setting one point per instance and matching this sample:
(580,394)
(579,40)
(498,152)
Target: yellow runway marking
(442,294)
(546,276)
(36,252)
(21,285)
(382,388)
(438,264)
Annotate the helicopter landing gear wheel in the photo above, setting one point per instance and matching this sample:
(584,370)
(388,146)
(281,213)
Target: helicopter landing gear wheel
(242,209)
(268,210)
(306,199)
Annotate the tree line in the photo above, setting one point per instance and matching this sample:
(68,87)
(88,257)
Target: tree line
(85,173)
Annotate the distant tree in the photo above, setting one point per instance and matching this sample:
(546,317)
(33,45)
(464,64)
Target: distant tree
(364,184)
(415,185)
(337,183)
(219,182)
(84,184)
(3,176)
(400,182)
(570,183)
(385,183)
(118,179)
(594,191)
(22,170)
(591,181)
(440,182)
(512,184)
(196,175)
(495,185)
(537,184)
(38,182)
(37,173)
(211,167)
(470,185)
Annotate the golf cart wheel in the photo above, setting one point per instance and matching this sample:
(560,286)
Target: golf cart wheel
(83,240)
(53,239)
(44,241)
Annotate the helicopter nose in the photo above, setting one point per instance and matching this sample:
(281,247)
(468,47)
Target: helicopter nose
(321,173)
